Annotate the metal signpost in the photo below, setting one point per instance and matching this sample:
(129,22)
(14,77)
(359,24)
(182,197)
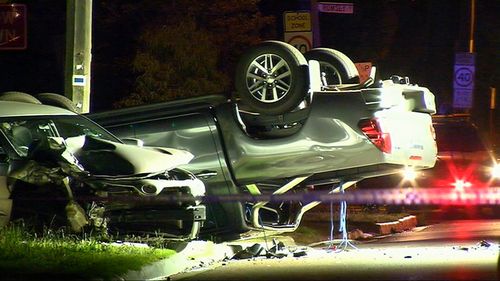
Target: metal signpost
(328,8)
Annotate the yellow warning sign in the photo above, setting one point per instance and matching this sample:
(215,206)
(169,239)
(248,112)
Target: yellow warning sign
(297,21)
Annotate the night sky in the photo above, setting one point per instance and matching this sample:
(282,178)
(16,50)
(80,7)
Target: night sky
(411,38)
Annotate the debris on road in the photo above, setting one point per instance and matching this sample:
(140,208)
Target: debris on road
(278,250)
(299,253)
(484,243)
(249,252)
(358,234)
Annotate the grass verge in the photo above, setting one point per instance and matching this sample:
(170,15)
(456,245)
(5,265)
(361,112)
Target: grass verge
(56,255)
(316,225)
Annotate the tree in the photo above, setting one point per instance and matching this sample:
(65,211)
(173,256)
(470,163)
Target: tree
(175,62)
(236,25)
(190,48)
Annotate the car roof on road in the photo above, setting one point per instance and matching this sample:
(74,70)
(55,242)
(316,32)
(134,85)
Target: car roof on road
(13,109)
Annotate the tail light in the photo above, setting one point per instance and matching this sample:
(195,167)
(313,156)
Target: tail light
(462,184)
(373,130)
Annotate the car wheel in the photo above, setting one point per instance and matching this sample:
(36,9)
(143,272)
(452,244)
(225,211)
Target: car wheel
(336,67)
(18,96)
(57,100)
(272,78)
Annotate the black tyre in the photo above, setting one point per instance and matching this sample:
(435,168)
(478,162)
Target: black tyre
(272,78)
(57,100)
(18,96)
(335,65)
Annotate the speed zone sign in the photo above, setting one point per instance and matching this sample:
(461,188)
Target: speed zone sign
(463,80)
(300,40)
(464,76)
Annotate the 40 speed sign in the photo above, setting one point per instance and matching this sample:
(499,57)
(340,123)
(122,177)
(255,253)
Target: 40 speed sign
(464,77)
(463,80)
(300,40)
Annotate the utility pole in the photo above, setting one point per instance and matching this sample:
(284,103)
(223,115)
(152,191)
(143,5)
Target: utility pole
(78,53)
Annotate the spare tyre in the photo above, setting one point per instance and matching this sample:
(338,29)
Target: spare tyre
(19,97)
(336,67)
(272,78)
(57,100)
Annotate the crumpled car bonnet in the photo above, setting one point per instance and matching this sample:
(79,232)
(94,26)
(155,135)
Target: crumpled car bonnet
(103,157)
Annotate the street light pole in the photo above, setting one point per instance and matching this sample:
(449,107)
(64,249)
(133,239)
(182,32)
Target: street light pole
(492,123)
(472,25)
(78,53)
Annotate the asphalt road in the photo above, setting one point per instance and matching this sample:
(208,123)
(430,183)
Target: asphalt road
(450,250)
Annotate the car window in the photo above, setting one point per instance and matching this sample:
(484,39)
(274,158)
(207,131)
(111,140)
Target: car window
(23,131)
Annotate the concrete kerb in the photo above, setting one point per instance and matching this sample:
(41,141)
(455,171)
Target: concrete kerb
(196,254)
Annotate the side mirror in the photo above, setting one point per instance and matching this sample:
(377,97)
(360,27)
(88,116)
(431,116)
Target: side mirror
(133,141)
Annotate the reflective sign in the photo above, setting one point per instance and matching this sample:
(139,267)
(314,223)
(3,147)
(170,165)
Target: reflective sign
(297,21)
(336,8)
(300,40)
(463,80)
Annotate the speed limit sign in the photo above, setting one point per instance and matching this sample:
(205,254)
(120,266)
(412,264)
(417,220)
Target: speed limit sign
(464,76)
(300,40)
(463,80)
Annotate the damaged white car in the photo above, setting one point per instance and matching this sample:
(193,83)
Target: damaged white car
(58,168)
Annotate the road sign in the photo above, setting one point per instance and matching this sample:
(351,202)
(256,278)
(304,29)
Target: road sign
(464,76)
(364,70)
(300,40)
(297,21)
(462,98)
(13,27)
(463,80)
(336,8)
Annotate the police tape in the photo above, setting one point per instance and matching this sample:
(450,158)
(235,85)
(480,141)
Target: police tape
(397,196)
(392,196)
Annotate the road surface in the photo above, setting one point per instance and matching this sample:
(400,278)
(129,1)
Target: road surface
(451,250)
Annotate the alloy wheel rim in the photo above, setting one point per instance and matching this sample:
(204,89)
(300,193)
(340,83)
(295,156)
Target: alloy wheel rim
(268,78)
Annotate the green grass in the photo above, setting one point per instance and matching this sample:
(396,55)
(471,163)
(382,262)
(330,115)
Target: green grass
(24,255)
(356,217)
(305,235)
